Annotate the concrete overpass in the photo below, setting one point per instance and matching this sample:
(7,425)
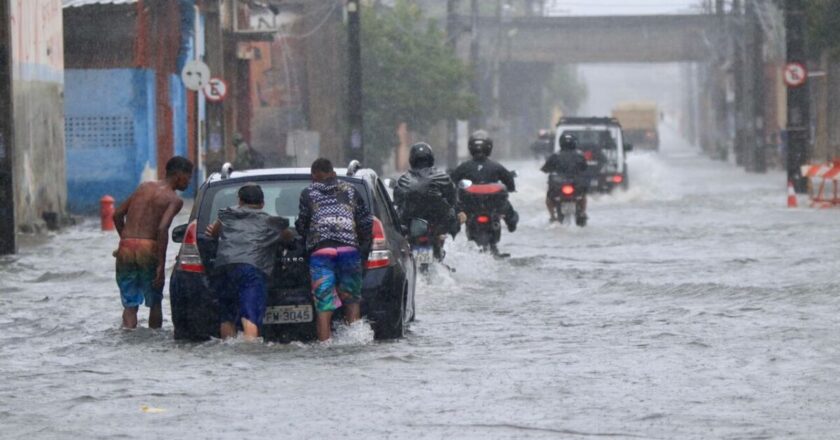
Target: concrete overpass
(630,39)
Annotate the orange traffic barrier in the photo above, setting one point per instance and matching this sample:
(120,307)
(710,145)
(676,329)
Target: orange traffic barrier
(106,213)
(826,179)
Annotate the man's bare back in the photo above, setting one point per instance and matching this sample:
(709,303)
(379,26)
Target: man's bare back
(142,223)
(146,209)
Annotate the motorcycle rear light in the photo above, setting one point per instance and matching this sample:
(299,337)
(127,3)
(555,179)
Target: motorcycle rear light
(380,255)
(423,240)
(189,258)
(618,178)
(587,155)
(568,190)
(483,219)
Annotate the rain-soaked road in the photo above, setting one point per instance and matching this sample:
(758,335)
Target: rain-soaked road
(693,306)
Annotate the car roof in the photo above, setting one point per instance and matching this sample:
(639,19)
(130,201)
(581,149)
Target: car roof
(588,121)
(364,174)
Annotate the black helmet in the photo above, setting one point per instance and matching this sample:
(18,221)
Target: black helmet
(421,156)
(568,142)
(480,143)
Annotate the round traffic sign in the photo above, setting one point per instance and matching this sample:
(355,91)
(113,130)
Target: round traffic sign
(215,90)
(795,74)
(195,75)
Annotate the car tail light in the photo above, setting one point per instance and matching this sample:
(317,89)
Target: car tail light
(380,255)
(618,178)
(189,257)
(567,189)
(483,219)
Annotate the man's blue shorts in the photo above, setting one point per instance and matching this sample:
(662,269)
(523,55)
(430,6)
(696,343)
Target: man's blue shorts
(242,290)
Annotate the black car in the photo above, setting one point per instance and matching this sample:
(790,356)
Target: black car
(389,280)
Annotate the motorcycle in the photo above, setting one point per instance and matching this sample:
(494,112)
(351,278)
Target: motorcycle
(426,246)
(568,199)
(483,206)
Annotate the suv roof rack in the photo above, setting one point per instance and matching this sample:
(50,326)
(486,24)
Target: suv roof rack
(582,120)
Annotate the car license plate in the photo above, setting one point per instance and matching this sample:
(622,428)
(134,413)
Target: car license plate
(288,314)
(424,255)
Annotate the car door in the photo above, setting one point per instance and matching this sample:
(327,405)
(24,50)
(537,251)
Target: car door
(399,244)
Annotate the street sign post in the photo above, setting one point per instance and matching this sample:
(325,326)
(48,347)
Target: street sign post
(215,90)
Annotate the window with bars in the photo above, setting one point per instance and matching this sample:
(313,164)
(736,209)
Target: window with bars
(99,132)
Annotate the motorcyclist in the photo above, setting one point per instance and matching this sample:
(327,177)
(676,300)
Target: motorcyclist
(482,170)
(427,193)
(544,145)
(571,163)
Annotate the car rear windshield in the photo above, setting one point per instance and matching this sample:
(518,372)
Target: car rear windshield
(593,139)
(282,198)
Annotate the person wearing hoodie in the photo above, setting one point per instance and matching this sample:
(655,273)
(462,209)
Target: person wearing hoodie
(248,242)
(337,228)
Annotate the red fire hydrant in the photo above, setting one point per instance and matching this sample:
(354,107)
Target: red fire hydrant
(106,212)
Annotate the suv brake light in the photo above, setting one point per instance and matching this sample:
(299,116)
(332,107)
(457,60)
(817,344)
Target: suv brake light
(189,257)
(380,255)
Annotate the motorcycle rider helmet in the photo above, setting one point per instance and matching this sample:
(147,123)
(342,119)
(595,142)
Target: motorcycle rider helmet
(421,156)
(568,142)
(480,144)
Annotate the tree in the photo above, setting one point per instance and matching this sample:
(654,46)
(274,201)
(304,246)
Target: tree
(824,27)
(410,75)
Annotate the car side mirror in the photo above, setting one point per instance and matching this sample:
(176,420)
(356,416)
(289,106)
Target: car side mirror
(628,147)
(178,233)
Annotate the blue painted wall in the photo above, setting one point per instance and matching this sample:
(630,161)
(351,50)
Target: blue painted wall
(110,134)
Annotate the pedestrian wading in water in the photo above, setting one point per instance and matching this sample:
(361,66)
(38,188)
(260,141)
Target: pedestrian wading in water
(336,225)
(143,223)
(248,242)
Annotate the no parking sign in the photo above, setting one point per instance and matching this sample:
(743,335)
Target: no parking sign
(215,90)
(795,74)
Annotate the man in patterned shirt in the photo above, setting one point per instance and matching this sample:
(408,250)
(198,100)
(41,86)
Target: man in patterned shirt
(337,226)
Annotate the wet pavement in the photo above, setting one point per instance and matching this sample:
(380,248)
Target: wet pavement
(695,305)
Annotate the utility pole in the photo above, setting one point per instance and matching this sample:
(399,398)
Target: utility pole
(798,102)
(452,33)
(355,116)
(719,84)
(7,196)
(740,86)
(758,159)
(475,121)
(497,78)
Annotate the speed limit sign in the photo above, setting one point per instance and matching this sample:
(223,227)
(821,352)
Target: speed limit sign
(795,74)
(215,90)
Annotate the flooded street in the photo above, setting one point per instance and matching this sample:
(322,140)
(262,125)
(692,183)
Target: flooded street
(695,305)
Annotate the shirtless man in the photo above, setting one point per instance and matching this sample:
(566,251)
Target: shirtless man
(143,223)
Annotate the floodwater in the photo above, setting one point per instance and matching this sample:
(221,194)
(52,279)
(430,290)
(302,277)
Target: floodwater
(695,305)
